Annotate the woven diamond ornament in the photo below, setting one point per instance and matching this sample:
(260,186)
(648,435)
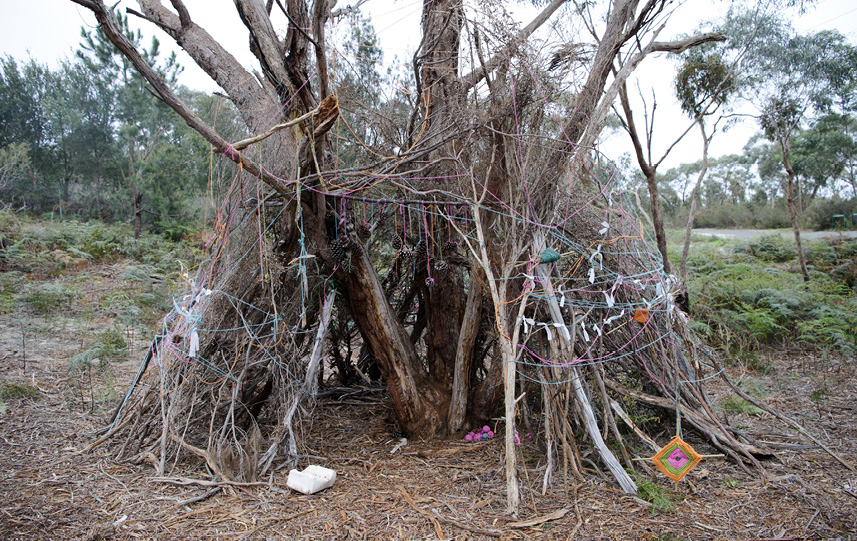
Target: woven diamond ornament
(676,459)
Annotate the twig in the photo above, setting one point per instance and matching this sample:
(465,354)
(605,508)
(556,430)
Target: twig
(201,498)
(244,143)
(540,520)
(463,526)
(423,512)
(183,481)
(810,521)
(24,347)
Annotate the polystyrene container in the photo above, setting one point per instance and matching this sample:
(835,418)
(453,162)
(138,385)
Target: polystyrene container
(311,480)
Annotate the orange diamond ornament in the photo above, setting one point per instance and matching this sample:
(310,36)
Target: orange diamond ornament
(676,459)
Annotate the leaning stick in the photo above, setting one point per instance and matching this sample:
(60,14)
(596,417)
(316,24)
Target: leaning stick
(244,143)
(777,414)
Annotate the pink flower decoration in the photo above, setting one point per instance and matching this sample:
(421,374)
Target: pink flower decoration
(486,428)
(490,434)
(469,437)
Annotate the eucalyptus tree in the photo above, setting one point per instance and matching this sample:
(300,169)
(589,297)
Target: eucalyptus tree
(824,153)
(793,76)
(704,82)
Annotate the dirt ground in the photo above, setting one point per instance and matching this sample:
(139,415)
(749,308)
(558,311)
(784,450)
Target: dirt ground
(424,490)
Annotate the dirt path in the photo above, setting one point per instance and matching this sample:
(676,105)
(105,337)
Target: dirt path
(751,234)
(426,490)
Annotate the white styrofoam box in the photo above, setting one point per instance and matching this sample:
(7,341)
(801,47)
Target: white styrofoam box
(311,480)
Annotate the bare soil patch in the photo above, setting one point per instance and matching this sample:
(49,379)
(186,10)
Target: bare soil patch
(425,490)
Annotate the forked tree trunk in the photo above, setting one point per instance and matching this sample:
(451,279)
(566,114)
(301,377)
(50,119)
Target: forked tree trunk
(427,366)
(651,173)
(658,217)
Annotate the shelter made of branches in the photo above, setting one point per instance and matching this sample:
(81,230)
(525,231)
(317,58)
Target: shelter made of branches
(490,248)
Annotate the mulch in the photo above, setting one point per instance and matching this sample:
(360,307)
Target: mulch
(423,490)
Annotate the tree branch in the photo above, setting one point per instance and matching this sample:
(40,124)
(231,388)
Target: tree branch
(347,10)
(268,49)
(319,17)
(184,16)
(473,78)
(681,46)
(253,102)
(110,26)
(630,126)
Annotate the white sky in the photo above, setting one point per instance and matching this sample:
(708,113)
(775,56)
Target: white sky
(49,30)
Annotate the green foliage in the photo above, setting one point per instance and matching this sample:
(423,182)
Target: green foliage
(819,215)
(50,248)
(728,215)
(46,298)
(760,323)
(703,77)
(10,391)
(753,297)
(95,136)
(91,367)
(655,494)
(829,329)
(10,285)
(775,248)
(737,405)
(105,347)
(819,394)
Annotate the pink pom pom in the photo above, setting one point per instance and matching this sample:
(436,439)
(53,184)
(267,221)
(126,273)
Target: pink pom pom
(490,434)
(486,429)
(469,437)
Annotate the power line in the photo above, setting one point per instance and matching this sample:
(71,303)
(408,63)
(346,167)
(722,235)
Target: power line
(833,19)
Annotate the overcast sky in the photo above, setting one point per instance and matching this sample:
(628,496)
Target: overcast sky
(49,30)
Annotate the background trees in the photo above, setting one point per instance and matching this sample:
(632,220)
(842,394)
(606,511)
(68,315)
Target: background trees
(90,138)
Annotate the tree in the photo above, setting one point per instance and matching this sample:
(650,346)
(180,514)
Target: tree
(436,249)
(790,75)
(703,95)
(703,83)
(23,120)
(823,153)
(145,121)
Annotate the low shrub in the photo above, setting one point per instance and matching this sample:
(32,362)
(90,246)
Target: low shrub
(10,391)
(47,298)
